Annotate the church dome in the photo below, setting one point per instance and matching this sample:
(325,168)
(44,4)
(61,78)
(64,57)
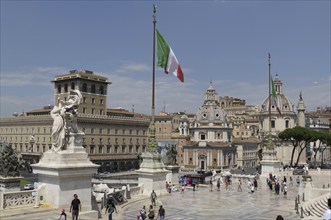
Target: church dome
(210,112)
(281,101)
(184,118)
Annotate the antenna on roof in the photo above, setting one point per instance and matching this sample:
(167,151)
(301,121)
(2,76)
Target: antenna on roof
(164,105)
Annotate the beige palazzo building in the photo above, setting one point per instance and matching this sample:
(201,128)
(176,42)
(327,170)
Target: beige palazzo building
(113,137)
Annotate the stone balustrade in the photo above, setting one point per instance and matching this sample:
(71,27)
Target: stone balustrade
(26,198)
(17,199)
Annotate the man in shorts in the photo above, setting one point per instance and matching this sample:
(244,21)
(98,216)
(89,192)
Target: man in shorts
(75,207)
(153,198)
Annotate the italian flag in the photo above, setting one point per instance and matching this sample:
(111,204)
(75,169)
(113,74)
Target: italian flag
(167,59)
(274,96)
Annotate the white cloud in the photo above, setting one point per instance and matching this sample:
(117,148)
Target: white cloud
(133,67)
(39,76)
(127,91)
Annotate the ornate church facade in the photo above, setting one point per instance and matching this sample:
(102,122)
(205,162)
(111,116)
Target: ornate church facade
(205,142)
(287,118)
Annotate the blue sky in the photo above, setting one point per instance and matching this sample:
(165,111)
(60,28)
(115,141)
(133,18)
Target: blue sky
(226,42)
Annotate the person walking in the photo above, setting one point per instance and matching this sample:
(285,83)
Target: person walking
(218,184)
(298,180)
(153,198)
(143,213)
(291,181)
(168,187)
(110,208)
(63,215)
(151,213)
(211,184)
(239,186)
(75,207)
(183,189)
(226,183)
(252,188)
(161,213)
(277,187)
(285,190)
(255,183)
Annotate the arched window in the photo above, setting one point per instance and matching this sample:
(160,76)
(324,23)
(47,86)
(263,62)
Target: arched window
(66,87)
(84,89)
(101,90)
(58,88)
(93,88)
(72,86)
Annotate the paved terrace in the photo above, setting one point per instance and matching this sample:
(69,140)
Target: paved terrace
(201,204)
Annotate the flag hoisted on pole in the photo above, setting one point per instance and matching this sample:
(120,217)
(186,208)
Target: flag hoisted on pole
(274,96)
(167,59)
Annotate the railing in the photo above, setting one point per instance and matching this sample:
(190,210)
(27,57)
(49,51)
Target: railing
(17,199)
(311,208)
(28,198)
(135,191)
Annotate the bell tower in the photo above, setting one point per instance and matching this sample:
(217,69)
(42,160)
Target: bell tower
(92,87)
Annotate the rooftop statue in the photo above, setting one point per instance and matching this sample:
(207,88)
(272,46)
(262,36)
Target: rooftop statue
(64,115)
(10,166)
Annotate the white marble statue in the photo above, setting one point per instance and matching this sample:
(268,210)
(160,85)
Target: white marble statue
(64,115)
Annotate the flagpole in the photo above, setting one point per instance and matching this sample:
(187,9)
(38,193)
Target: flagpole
(153,92)
(269,141)
(152,145)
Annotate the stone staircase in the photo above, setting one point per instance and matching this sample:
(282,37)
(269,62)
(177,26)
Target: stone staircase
(315,208)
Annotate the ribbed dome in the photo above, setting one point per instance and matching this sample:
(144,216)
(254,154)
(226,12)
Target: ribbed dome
(283,103)
(184,118)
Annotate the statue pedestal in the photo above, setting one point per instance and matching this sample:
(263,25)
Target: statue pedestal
(173,168)
(269,163)
(10,184)
(306,186)
(65,173)
(152,174)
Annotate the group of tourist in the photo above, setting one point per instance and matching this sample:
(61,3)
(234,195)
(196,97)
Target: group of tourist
(150,214)
(276,185)
(251,186)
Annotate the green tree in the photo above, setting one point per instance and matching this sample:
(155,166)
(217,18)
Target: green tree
(299,136)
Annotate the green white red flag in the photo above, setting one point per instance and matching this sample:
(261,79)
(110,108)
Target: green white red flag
(274,96)
(167,59)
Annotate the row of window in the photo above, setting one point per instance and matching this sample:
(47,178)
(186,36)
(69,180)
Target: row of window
(242,133)
(204,136)
(48,130)
(85,100)
(287,124)
(117,141)
(249,154)
(37,140)
(93,111)
(93,88)
(116,149)
(116,131)
(93,149)
(25,131)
